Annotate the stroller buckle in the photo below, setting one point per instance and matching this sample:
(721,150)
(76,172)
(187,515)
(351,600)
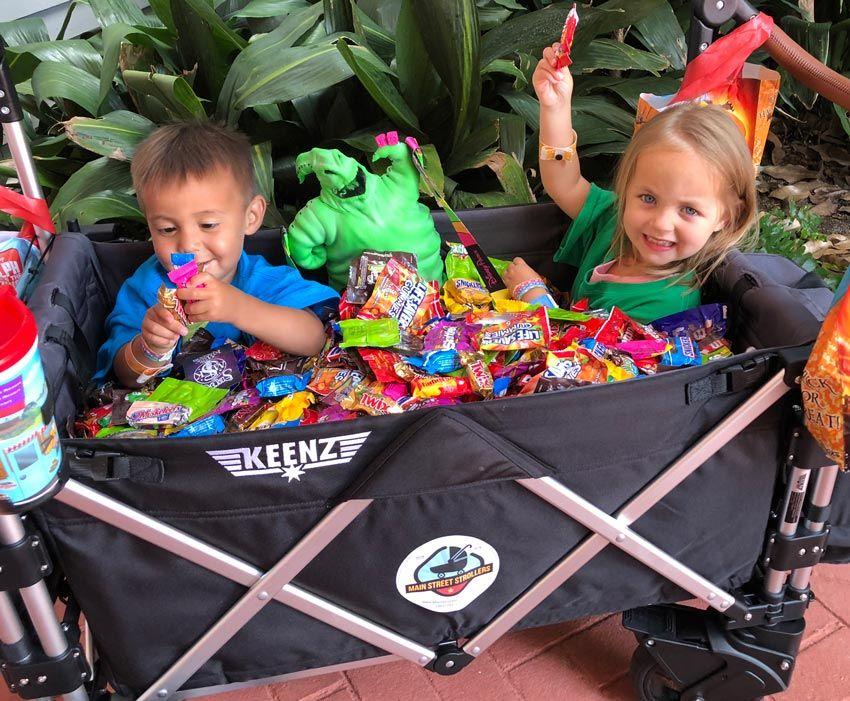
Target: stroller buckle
(747,373)
(99,465)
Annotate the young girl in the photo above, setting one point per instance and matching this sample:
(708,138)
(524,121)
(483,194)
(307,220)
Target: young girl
(684,194)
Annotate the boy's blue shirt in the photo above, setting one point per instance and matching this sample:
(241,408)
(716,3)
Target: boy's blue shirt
(275,284)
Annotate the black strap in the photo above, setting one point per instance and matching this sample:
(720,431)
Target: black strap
(60,299)
(810,281)
(82,365)
(104,465)
(748,373)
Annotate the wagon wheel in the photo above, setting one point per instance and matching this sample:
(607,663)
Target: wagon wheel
(651,682)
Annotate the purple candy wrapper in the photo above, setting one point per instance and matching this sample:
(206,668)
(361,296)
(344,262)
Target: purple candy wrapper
(450,335)
(218,368)
(700,324)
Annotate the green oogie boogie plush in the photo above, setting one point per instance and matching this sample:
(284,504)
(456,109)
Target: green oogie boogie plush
(357,211)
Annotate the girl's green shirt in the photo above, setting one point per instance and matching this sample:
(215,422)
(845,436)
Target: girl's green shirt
(587,244)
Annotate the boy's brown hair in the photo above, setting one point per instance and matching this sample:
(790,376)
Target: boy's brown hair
(173,153)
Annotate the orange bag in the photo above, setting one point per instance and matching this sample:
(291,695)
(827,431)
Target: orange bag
(826,384)
(720,76)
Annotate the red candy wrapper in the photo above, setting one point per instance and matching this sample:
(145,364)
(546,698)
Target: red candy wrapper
(563,58)
(402,295)
(432,387)
(263,352)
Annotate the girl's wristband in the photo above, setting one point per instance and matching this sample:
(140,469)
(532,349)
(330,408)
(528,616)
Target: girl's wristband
(525,287)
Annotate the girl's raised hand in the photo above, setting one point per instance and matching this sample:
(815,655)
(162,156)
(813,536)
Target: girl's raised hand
(554,88)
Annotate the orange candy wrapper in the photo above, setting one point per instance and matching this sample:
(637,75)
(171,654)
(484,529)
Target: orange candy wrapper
(826,384)
(567,35)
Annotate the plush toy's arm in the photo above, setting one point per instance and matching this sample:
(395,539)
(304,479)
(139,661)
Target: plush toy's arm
(401,173)
(310,233)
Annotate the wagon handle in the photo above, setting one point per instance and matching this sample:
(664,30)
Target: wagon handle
(11,117)
(708,15)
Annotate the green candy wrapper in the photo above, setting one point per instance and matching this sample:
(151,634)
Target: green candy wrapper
(199,398)
(374,333)
(460,265)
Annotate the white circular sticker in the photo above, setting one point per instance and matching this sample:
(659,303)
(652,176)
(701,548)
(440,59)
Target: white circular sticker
(448,573)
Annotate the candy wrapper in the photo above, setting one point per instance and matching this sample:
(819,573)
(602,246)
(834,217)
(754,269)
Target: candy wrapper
(562,59)
(461,295)
(375,333)
(180,275)
(198,398)
(154,413)
(167,297)
(282,385)
(373,399)
(519,331)
(218,368)
(701,324)
(825,385)
(460,265)
(286,410)
(366,269)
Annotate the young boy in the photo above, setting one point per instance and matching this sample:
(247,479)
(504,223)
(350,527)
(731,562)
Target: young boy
(194,181)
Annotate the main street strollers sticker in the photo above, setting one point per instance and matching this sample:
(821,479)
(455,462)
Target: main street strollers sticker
(448,573)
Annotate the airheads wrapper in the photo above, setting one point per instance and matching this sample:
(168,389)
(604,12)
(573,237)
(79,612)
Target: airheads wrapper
(218,368)
(701,324)
(365,270)
(375,333)
(178,259)
(199,398)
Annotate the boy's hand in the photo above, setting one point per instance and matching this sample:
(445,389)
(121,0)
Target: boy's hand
(209,299)
(554,88)
(160,330)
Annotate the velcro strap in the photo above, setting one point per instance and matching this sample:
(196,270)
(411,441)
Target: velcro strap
(102,466)
(704,389)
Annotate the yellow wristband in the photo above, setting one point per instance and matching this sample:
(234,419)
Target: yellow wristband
(559,153)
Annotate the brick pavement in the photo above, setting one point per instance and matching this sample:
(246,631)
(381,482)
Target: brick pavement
(584,660)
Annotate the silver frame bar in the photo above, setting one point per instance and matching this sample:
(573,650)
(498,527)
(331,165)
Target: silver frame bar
(821,496)
(765,397)
(115,513)
(258,595)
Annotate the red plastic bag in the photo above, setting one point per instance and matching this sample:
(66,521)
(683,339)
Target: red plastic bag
(19,253)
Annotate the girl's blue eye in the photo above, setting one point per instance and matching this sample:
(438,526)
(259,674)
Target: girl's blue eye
(690,211)
(647,199)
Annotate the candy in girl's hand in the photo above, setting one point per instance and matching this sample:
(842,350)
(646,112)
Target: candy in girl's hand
(566,44)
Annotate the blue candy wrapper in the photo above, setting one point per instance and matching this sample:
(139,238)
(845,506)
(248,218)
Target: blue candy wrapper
(204,427)
(684,352)
(282,385)
(178,259)
(437,362)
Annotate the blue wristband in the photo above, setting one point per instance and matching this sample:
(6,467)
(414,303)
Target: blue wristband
(545,300)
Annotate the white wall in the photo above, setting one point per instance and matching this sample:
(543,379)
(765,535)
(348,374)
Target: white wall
(53,13)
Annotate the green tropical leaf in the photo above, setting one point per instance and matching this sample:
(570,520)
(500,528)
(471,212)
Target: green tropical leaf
(113,36)
(63,81)
(384,12)
(629,89)
(451,37)
(260,55)
(162,9)
(108,12)
(375,36)
(610,54)
(24,58)
(288,74)
(261,155)
(490,17)
(469,153)
(338,16)
(509,68)
(434,168)
(511,131)
(525,106)
(660,32)
(115,135)
(379,86)
(101,206)
(94,177)
(203,39)
(418,81)
(172,93)
(270,8)
(511,176)
(29,30)
(813,37)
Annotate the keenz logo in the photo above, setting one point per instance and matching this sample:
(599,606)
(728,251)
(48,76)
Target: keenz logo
(290,460)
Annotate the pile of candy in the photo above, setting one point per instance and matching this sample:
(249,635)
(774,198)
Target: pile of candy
(402,343)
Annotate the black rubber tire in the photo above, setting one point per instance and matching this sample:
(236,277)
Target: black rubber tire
(649,681)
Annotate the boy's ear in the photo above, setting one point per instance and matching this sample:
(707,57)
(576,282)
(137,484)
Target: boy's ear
(255,213)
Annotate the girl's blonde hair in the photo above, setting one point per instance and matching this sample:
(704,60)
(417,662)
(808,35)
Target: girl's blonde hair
(711,133)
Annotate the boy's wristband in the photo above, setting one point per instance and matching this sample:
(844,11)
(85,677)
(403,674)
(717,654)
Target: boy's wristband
(143,372)
(525,287)
(152,355)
